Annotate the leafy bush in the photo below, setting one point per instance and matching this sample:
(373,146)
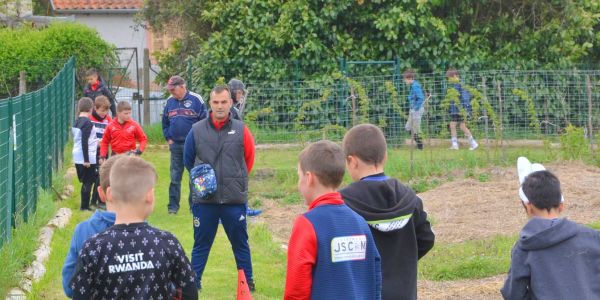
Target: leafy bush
(43,52)
(573,144)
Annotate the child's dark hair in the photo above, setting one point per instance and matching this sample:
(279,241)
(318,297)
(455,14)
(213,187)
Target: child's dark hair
(123,105)
(409,74)
(367,142)
(91,72)
(85,104)
(326,160)
(542,189)
(452,72)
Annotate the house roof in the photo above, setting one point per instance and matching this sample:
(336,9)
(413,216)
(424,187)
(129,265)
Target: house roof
(91,6)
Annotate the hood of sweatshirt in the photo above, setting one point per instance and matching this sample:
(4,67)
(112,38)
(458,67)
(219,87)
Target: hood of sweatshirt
(387,205)
(105,218)
(541,233)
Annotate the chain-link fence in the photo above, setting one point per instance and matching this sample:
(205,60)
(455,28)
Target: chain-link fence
(34,129)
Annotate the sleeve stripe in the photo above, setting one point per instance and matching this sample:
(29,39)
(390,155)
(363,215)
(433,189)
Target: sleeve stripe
(197,96)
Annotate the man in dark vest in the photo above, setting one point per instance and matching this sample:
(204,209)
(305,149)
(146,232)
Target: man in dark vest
(227,145)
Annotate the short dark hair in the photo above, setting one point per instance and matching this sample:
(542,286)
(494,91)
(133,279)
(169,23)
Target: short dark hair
(91,72)
(85,104)
(452,72)
(325,159)
(542,189)
(123,105)
(367,142)
(219,89)
(409,74)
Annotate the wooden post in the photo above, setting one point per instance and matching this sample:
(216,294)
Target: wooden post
(501,121)
(487,121)
(354,108)
(22,83)
(146,66)
(590,125)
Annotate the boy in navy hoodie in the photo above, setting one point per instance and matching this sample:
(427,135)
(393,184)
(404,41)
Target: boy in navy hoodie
(331,252)
(393,211)
(97,223)
(554,258)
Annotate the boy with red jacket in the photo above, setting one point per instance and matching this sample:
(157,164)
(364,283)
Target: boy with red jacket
(331,253)
(123,134)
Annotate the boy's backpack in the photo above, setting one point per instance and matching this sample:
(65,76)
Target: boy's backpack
(204,182)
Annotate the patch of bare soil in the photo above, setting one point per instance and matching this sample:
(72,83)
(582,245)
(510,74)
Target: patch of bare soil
(280,218)
(467,209)
(468,289)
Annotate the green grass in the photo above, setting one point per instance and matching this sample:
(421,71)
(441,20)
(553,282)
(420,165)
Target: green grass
(275,171)
(595,225)
(472,259)
(274,177)
(154,134)
(16,255)
(220,277)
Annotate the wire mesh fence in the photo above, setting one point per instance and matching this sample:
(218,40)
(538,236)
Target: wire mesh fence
(507,105)
(34,129)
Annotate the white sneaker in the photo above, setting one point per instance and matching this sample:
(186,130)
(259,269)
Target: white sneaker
(474,145)
(454,147)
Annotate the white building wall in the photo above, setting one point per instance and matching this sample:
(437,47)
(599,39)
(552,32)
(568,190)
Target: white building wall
(120,30)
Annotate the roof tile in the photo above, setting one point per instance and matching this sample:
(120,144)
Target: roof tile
(96,4)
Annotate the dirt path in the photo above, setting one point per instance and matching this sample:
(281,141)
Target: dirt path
(466,209)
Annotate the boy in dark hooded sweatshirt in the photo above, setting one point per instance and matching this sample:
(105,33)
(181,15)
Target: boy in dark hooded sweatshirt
(393,211)
(554,258)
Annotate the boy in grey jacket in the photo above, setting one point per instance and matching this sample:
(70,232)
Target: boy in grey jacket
(554,258)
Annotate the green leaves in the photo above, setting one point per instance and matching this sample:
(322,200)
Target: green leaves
(260,40)
(43,52)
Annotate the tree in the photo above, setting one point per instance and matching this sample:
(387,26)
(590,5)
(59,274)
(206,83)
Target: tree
(43,52)
(284,40)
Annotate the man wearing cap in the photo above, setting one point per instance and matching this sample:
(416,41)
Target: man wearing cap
(183,109)
(238,95)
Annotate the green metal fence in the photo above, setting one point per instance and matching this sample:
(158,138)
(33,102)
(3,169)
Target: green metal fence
(34,129)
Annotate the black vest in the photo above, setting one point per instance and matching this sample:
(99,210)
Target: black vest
(224,151)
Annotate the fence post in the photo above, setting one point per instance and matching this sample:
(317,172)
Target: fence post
(501,125)
(343,99)
(485,115)
(590,125)
(11,165)
(146,87)
(22,83)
